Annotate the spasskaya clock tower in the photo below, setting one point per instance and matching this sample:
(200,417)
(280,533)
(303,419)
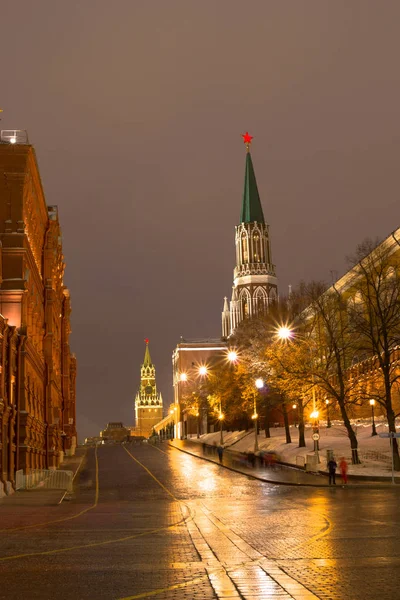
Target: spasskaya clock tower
(148,402)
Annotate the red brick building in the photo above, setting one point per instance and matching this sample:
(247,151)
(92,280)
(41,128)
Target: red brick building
(38,371)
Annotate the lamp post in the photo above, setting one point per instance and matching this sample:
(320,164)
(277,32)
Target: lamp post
(328,421)
(372,403)
(314,415)
(294,414)
(221,418)
(173,412)
(259,385)
(185,377)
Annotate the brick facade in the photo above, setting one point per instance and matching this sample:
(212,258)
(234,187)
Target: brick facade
(38,370)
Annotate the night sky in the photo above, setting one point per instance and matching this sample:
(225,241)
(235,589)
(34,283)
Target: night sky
(136,108)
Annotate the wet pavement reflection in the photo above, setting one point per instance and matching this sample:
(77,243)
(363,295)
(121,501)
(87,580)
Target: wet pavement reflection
(171,526)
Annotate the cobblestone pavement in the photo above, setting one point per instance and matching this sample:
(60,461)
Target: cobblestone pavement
(151,522)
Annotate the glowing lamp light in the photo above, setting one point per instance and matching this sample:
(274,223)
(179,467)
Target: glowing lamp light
(314,414)
(13,140)
(183,377)
(232,356)
(327,401)
(372,402)
(294,406)
(203,370)
(221,416)
(284,333)
(259,384)
(254,416)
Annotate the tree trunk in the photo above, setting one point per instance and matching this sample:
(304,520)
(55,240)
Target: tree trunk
(267,431)
(350,432)
(392,428)
(286,422)
(302,439)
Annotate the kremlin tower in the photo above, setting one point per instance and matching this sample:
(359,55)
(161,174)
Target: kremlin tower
(254,278)
(148,402)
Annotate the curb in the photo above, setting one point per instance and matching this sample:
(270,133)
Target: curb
(289,483)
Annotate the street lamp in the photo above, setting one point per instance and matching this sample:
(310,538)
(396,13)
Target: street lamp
(328,421)
(372,403)
(284,333)
(221,418)
(314,415)
(294,417)
(172,411)
(259,385)
(232,356)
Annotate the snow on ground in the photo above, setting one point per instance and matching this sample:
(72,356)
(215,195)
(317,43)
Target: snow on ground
(374,451)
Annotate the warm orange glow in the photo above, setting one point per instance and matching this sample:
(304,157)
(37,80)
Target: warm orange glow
(259,383)
(314,414)
(203,370)
(327,401)
(372,402)
(221,416)
(183,377)
(254,416)
(294,406)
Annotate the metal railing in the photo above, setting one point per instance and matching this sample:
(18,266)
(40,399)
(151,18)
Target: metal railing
(43,478)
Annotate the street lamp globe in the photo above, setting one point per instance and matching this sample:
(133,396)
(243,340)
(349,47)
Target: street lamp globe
(372,402)
(314,414)
(203,370)
(284,333)
(259,384)
(232,356)
(183,377)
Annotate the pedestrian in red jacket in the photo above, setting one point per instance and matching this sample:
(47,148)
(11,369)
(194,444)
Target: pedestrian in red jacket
(343,469)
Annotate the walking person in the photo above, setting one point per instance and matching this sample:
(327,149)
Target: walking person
(343,466)
(332,466)
(220,451)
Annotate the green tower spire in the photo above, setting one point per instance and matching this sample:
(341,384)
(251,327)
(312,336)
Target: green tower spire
(147,360)
(251,206)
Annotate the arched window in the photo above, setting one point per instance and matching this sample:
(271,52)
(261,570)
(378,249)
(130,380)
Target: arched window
(245,303)
(260,300)
(245,248)
(256,247)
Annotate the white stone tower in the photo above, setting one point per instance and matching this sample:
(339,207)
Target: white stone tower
(255,284)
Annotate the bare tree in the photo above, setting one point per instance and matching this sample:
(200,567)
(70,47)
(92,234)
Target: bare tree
(374,314)
(335,349)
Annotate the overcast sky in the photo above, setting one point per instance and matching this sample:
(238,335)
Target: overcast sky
(136,108)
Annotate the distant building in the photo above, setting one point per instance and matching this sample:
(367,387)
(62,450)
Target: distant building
(115,432)
(37,383)
(255,284)
(148,401)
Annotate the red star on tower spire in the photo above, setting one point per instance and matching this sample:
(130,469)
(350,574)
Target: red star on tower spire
(247,140)
(146,340)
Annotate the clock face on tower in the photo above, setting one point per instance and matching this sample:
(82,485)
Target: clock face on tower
(148,390)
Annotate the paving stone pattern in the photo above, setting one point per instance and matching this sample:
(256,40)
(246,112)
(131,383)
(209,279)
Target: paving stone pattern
(182,528)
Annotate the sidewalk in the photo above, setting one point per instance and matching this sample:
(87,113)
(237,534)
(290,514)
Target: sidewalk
(45,497)
(280,474)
